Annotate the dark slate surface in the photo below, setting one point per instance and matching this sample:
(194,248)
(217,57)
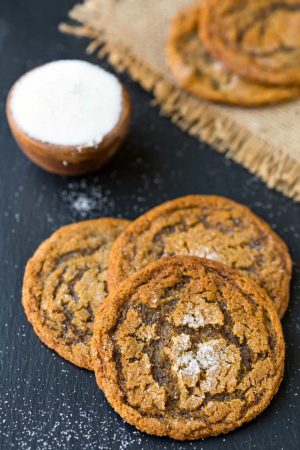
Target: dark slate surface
(46,403)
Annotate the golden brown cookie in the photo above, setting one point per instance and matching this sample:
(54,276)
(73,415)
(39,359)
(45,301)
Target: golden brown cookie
(258,39)
(210,227)
(198,72)
(64,283)
(188,348)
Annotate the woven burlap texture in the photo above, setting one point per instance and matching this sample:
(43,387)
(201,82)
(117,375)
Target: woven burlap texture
(132,33)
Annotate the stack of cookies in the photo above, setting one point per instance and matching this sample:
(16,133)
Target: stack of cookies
(178,313)
(237,52)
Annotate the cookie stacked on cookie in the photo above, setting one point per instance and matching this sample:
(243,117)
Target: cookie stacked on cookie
(236,52)
(188,348)
(178,313)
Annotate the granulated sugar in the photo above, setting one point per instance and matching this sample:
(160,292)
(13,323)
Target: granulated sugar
(85,199)
(70,423)
(210,354)
(67,102)
(84,204)
(214,357)
(193,320)
(208,253)
(186,363)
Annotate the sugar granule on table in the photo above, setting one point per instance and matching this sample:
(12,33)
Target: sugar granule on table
(85,199)
(84,204)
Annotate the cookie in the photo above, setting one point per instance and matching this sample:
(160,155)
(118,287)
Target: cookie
(195,70)
(258,39)
(188,348)
(210,227)
(64,283)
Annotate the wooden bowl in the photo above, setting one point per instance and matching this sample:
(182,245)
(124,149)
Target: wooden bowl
(71,160)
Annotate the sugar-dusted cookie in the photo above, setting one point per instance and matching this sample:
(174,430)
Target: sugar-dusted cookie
(210,227)
(195,70)
(258,39)
(188,348)
(65,282)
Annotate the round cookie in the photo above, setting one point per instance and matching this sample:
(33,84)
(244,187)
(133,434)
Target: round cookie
(188,348)
(195,70)
(258,39)
(64,283)
(210,227)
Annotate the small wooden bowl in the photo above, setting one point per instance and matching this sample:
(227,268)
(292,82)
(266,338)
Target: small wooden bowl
(71,160)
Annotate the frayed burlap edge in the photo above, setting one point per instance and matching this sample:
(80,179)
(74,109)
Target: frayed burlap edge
(278,170)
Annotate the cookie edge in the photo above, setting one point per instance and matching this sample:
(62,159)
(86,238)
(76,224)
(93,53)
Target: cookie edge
(32,314)
(115,276)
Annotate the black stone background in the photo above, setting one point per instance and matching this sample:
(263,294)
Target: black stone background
(46,402)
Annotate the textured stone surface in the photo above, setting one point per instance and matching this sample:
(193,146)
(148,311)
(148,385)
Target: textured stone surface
(46,401)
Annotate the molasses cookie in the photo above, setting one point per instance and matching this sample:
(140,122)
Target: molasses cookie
(210,227)
(258,39)
(198,72)
(188,348)
(65,282)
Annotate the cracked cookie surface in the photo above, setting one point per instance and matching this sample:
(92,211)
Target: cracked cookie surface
(188,348)
(198,72)
(210,227)
(64,283)
(258,39)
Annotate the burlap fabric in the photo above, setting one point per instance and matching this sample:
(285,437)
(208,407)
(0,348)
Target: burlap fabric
(132,33)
